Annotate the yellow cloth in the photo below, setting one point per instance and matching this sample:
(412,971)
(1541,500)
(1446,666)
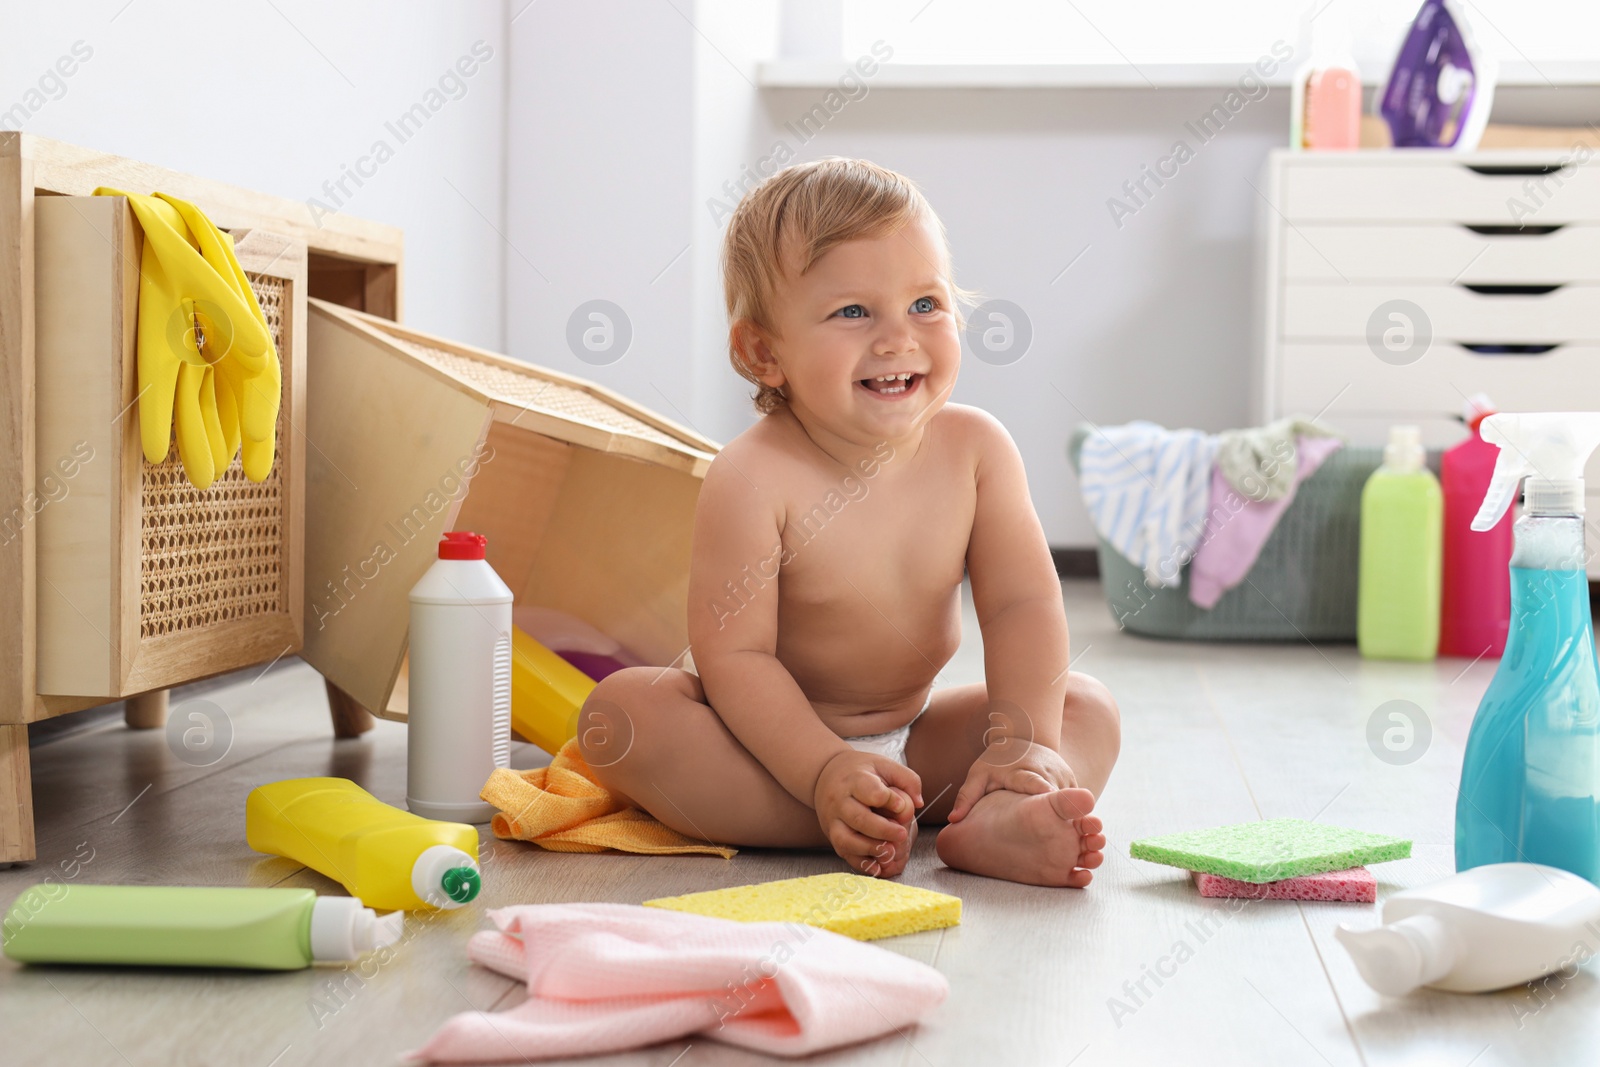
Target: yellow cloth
(206,356)
(562,808)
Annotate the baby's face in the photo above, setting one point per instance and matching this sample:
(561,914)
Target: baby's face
(868,310)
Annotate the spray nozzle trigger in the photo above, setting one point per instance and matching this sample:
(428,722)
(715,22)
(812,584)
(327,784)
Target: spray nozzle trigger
(1548,448)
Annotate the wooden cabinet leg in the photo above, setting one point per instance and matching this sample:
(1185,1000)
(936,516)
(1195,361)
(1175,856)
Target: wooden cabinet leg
(16,796)
(147,711)
(349,718)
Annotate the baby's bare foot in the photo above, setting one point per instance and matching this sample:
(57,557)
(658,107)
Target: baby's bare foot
(1048,839)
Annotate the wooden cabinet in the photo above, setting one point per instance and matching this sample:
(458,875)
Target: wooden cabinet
(145,581)
(166,599)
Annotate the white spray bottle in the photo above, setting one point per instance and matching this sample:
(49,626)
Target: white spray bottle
(459,719)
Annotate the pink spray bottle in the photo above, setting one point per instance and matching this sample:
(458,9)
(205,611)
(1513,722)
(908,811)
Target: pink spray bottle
(1475,608)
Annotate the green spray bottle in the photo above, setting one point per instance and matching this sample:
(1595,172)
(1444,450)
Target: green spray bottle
(185,926)
(1402,554)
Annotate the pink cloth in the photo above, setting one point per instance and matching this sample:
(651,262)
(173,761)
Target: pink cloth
(608,977)
(1236,528)
(1356,885)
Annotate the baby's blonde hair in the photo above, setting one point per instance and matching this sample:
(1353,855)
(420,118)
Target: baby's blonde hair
(792,219)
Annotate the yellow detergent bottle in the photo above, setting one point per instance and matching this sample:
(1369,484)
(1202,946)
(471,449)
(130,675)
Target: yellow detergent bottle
(547,693)
(390,859)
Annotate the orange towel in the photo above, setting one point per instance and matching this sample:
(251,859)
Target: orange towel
(562,808)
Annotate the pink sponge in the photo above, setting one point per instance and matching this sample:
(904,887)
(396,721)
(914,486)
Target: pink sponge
(1355,885)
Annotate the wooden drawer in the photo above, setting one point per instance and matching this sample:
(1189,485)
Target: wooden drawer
(145,582)
(1439,253)
(1312,375)
(1339,312)
(1389,186)
(587,500)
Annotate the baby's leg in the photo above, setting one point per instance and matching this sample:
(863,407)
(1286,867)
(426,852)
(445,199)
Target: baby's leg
(648,734)
(1042,839)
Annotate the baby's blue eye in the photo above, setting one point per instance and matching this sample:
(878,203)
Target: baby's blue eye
(854,311)
(923,305)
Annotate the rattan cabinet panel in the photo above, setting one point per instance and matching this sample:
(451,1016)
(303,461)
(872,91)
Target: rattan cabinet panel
(145,581)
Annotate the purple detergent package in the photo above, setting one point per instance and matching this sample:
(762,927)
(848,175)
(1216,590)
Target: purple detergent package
(1442,85)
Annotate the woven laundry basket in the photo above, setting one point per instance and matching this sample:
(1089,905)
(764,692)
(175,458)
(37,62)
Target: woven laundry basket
(1302,587)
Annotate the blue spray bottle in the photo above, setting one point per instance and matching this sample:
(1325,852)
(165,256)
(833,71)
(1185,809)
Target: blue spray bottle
(1530,782)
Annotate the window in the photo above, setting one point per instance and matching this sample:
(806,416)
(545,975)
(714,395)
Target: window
(1521,35)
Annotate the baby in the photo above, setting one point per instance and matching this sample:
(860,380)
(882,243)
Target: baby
(830,543)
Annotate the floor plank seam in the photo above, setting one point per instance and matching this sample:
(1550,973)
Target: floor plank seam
(1355,1041)
(50,836)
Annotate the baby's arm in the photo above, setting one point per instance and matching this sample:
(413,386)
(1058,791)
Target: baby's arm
(1017,596)
(733,630)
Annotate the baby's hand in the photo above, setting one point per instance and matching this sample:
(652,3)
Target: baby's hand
(865,804)
(1033,768)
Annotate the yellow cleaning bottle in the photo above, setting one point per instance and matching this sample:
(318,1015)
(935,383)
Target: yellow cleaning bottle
(547,693)
(390,859)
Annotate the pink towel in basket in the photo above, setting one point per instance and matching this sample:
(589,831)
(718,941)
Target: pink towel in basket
(608,977)
(1237,529)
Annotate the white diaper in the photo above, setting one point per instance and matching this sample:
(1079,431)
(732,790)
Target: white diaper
(891,743)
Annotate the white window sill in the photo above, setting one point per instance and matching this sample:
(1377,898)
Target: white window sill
(825,74)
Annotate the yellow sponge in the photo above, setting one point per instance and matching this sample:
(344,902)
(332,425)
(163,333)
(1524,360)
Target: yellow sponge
(849,904)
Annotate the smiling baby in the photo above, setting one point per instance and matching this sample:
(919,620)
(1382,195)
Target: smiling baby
(830,543)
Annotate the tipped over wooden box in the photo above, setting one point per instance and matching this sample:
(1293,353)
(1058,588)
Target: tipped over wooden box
(587,499)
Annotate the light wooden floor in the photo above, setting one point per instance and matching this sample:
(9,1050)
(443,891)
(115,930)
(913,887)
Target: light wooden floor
(1135,970)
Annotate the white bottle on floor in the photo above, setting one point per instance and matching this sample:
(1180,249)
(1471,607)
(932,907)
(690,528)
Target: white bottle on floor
(460,694)
(1484,928)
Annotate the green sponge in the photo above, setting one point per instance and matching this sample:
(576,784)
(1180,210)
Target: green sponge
(1270,850)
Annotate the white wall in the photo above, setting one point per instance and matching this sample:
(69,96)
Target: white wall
(626,116)
(280,97)
(734,37)
(599,176)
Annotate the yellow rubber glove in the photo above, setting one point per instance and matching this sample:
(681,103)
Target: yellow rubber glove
(207,365)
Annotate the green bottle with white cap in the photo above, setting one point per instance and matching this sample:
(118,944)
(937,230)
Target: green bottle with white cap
(1402,554)
(187,926)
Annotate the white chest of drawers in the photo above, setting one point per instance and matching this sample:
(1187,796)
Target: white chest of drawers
(1394,284)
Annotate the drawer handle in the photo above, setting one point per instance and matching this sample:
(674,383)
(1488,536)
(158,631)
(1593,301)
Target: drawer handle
(1513,231)
(1515,170)
(1512,290)
(1485,349)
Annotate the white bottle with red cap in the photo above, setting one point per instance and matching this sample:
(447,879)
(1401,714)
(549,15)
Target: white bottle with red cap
(460,694)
